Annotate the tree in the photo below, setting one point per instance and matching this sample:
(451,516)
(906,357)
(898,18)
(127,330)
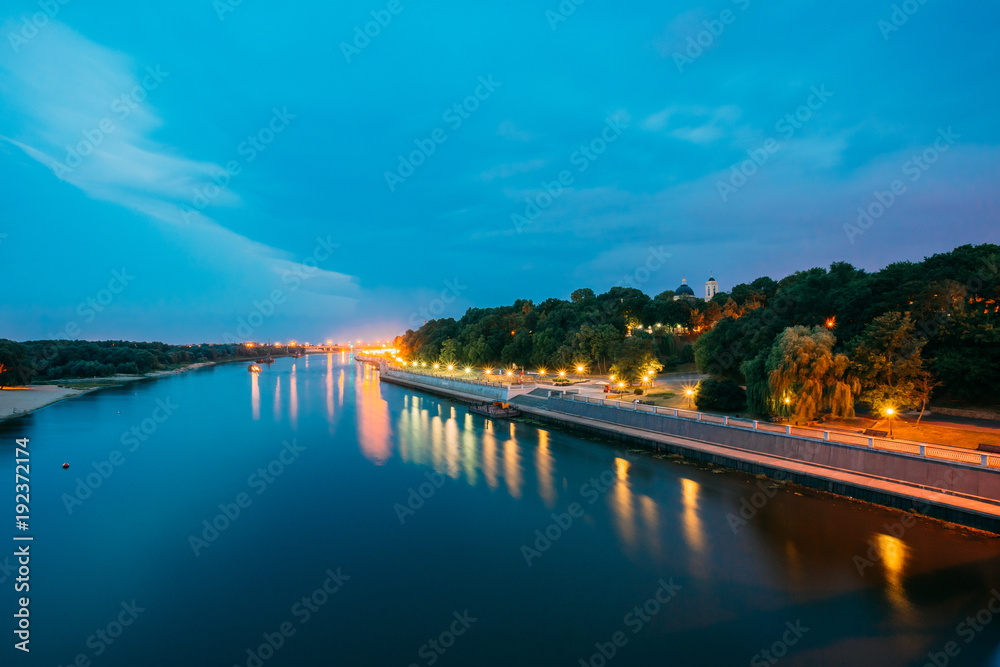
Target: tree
(13,367)
(925,387)
(805,375)
(722,395)
(635,359)
(886,359)
(581,294)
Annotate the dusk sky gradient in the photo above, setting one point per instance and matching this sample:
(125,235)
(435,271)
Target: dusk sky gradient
(198,266)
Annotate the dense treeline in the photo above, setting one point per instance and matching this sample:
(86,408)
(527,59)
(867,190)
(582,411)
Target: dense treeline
(21,363)
(818,340)
(829,339)
(604,333)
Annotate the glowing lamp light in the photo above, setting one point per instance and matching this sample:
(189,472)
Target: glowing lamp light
(787,401)
(451,368)
(468,370)
(612,377)
(689,392)
(414,363)
(424,364)
(890,411)
(510,373)
(541,371)
(435,365)
(621,385)
(562,374)
(579,369)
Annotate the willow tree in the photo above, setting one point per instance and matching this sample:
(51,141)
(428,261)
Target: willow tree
(805,375)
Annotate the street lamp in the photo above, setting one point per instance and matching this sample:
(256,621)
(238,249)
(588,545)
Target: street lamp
(889,412)
(690,396)
(468,370)
(579,369)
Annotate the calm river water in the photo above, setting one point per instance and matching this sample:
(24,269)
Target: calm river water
(313,516)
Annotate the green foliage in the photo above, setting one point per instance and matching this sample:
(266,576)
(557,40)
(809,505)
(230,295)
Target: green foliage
(953,301)
(720,395)
(804,375)
(63,359)
(13,370)
(886,359)
(635,359)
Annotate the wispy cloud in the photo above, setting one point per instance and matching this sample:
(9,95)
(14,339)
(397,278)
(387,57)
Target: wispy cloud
(86,112)
(695,124)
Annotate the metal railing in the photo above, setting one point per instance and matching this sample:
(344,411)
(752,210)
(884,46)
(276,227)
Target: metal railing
(926,450)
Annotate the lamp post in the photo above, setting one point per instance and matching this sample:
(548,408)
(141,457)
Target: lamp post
(889,412)
(690,395)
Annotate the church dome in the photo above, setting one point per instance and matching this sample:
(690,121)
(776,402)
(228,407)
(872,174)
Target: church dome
(685,290)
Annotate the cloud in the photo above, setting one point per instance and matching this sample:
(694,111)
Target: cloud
(86,112)
(512,169)
(695,124)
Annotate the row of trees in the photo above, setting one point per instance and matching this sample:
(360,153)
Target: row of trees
(818,340)
(606,333)
(21,363)
(830,339)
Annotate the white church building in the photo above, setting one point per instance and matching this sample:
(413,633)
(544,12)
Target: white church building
(685,291)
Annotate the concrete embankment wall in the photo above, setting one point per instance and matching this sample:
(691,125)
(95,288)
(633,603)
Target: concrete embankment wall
(445,387)
(948,475)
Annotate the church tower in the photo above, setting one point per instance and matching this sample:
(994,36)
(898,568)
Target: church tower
(711,287)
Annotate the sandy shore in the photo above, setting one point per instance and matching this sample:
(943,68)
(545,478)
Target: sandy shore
(19,401)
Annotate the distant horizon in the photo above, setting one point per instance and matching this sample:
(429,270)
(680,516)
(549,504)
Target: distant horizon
(724,287)
(339,177)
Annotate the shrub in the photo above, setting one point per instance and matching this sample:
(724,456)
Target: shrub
(638,392)
(722,395)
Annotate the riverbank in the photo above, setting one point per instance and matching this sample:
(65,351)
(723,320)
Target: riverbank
(17,402)
(955,492)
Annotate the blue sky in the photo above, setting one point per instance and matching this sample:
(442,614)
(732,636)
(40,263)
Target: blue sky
(301,132)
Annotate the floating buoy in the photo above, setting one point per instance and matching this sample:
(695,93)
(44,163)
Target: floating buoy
(65,466)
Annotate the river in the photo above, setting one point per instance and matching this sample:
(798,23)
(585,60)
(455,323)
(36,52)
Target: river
(310,515)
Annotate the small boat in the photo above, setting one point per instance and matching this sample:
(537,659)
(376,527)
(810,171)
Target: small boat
(496,409)
(253,368)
